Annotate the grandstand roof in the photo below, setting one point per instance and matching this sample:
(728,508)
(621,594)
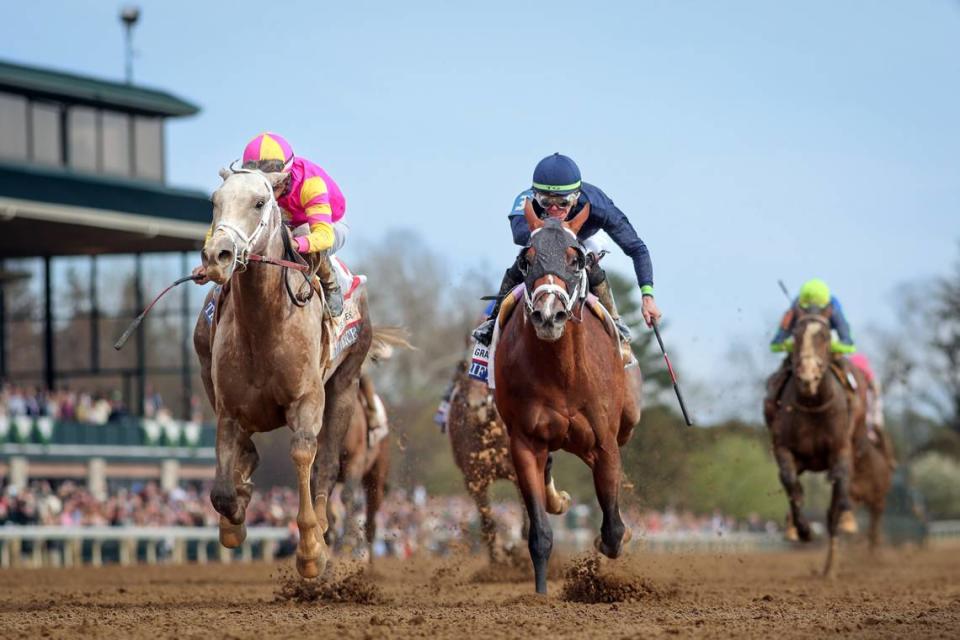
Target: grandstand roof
(48,211)
(79,88)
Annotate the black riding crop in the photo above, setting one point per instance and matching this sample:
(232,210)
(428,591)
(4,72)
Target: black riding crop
(673,376)
(122,340)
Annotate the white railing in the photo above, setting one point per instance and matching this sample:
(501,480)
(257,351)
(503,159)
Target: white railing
(167,544)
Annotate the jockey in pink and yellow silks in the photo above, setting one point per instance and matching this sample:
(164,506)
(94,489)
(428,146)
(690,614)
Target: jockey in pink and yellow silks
(312,203)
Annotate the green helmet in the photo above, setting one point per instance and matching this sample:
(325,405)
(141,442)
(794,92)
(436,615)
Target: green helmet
(814,293)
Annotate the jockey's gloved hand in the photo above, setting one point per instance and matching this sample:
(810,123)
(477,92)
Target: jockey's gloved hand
(842,348)
(782,347)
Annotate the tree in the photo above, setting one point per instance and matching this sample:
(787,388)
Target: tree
(944,323)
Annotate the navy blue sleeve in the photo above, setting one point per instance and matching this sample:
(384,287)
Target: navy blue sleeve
(518,223)
(839,322)
(622,232)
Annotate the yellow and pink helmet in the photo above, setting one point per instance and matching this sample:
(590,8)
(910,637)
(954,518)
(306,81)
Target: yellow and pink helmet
(267,147)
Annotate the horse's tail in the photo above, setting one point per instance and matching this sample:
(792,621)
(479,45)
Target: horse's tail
(385,341)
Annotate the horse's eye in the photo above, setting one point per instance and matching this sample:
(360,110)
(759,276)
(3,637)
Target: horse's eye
(260,204)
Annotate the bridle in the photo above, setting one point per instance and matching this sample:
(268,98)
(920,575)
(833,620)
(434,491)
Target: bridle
(243,244)
(568,296)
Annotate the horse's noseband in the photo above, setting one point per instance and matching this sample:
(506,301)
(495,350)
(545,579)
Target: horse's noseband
(243,244)
(550,259)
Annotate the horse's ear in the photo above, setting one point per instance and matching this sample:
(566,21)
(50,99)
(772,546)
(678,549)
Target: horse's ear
(279,179)
(532,220)
(580,218)
(225,173)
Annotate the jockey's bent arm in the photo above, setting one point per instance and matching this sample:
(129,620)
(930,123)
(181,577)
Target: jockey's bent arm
(518,223)
(618,227)
(838,322)
(315,199)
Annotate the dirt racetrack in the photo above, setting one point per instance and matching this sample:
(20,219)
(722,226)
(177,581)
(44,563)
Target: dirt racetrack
(902,594)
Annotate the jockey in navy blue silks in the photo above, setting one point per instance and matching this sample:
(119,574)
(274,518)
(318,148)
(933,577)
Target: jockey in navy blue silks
(558,192)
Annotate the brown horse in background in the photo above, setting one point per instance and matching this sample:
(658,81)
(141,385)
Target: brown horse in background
(561,385)
(480,447)
(813,427)
(361,465)
(265,363)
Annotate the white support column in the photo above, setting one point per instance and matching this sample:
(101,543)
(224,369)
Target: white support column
(169,474)
(96,553)
(19,472)
(202,552)
(97,478)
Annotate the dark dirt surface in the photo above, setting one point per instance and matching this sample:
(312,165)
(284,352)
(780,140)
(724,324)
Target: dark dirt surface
(900,594)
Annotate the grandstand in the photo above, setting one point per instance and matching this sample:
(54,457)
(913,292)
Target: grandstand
(86,220)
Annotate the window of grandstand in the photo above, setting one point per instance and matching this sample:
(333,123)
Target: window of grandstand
(115,142)
(46,135)
(148,147)
(82,148)
(13,126)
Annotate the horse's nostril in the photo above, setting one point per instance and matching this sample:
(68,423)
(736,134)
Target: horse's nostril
(225,256)
(537,317)
(560,317)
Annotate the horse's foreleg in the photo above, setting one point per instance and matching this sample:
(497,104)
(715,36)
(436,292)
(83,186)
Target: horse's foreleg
(798,528)
(606,480)
(304,418)
(529,463)
(236,460)
(840,517)
(876,512)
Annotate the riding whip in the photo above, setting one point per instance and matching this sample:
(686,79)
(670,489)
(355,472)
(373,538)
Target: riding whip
(783,288)
(673,376)
(122,340)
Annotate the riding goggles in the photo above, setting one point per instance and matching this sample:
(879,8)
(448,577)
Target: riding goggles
(547,200)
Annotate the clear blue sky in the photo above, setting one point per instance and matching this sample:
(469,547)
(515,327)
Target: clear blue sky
(746,141)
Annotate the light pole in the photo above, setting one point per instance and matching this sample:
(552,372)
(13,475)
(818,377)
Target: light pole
(129,16)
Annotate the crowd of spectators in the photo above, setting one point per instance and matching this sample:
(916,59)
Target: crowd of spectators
(408,522)
(62,404)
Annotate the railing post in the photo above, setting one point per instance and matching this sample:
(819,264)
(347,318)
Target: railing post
(151,552)
(96,553)
(225,554)
(268,550)
(202,551)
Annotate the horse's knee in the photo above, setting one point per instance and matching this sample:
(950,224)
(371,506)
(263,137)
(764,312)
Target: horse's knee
(303,447)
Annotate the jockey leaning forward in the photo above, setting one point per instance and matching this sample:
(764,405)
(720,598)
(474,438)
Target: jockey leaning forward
(558,192)
(312,204)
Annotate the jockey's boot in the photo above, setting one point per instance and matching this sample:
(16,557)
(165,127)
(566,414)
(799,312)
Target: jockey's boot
(331,286)
(775,384)
(511,278)
(603,292)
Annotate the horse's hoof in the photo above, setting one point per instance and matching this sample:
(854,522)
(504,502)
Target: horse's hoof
(309,567)
(558,503)
(847,523)
(615,553)
(791,535)
(232,535)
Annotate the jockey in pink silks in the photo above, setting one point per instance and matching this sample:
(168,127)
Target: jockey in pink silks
(313,207)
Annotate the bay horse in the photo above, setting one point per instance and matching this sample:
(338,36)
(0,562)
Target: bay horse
(481,449)
(265,362)
(361,465)
(812,428)
(561,385)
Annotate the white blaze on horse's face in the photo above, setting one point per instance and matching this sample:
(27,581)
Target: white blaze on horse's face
(811,365)
(549,315)
(242,210)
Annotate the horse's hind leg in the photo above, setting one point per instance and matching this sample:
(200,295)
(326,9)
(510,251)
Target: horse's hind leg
(478,488)
(557,501)
(375,483)
(606,480)
(236,460)
(798,528)
(530,464)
